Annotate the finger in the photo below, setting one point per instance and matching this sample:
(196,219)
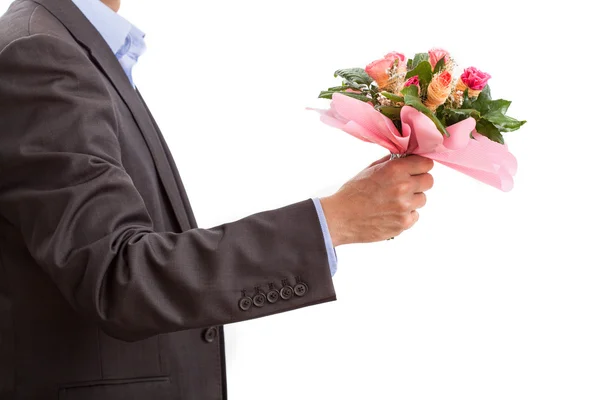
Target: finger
(416,165)
(419,200)
(415,217)
(423,182)
(406,221)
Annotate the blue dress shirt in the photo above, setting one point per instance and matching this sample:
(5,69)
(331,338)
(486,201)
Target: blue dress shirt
(127,43)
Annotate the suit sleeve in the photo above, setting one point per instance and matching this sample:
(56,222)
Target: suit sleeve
(63,187)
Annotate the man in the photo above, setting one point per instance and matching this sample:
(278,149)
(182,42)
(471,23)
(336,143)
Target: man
(108,290)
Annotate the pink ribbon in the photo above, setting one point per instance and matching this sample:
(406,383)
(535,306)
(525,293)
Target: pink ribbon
(479,158)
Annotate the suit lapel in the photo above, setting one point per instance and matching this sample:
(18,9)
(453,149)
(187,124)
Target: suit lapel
(85,33)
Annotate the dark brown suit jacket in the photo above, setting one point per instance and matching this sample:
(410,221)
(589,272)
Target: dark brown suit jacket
(107,288)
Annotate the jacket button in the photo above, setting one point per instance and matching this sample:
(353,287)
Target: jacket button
(286,292)
(211,334)
(300,289)
(245,303)
(259,300)
(273,296)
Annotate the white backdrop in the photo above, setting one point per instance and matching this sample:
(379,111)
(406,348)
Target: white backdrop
(491,295)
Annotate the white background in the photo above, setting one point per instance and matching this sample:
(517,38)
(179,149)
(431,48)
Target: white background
(491,295)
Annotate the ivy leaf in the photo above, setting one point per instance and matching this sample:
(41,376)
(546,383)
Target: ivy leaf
(493,111)
(356,75)
(503,122)
(356,86)
(423,71)
(391,112)
(410,91)
(451,116)
(499,105)
(337,88)
(440,65)
(392,97)
(489,130)
(467,101)
(485,95)
(326,94)
(420,57)
(411,98)
(346,86)
(357,96)
(481,103)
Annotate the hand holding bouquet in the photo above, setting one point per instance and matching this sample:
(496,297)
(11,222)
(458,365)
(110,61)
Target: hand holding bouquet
(419,106)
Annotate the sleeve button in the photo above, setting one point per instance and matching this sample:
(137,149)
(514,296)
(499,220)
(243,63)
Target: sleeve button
(300,289)
(286,292)
(273,296)
(245,303)
(259,300)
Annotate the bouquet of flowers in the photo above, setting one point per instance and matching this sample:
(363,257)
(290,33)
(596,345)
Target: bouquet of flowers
(419,106)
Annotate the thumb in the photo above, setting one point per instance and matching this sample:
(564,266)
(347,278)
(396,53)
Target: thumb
(380,161)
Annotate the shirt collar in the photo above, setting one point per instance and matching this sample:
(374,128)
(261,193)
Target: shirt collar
(111,26)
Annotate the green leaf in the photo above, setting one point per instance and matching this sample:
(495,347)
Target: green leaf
(440,65)
(493,119)
(485,95)
(355,85)
(411,98)
(499,105)
(357,96)
(356,75)
(468,112)
(411,90)
(481,103)
(420,57)
(326,94)
(484,103)
(409,64)
(489,130)
(392,97)
(451,116)
(391,112)
(467,101)
(338,88)
(502,122)
(423,71)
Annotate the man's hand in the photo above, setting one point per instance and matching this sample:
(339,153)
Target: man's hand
(380,202)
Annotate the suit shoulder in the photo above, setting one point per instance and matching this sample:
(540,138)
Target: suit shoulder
(26,18)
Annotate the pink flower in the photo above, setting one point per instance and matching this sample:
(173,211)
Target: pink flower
(475,79)
(380,70)
(435,55)
(395,55)
(445,78)
(412,81)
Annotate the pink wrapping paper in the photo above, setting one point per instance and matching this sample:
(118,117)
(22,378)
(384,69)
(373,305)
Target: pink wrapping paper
(479,158)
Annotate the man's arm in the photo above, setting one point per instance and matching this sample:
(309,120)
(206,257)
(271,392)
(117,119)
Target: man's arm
(62,185)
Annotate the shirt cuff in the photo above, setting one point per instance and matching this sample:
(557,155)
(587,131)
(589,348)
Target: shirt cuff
(331,254)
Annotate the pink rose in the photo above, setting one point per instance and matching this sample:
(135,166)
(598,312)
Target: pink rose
(379,70)
(475,79)
(395,55)
(435,55)
(412,81)
(445,78)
